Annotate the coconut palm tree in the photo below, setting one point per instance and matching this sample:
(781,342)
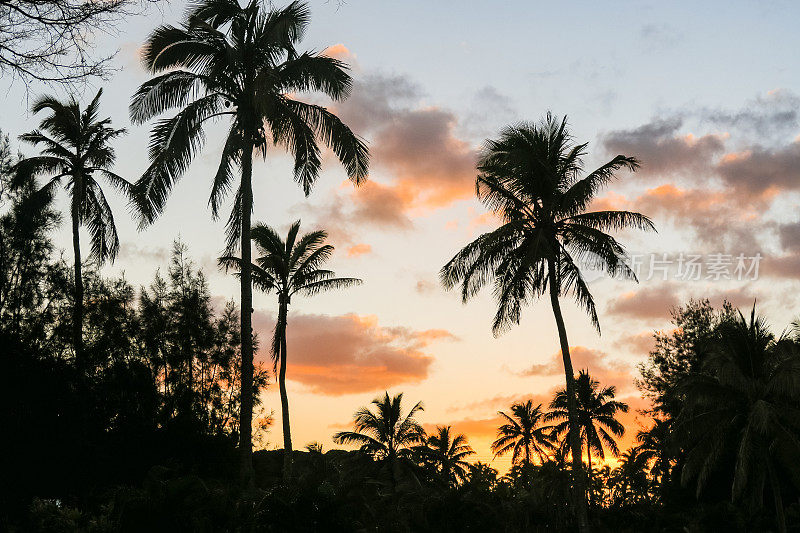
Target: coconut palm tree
(447,453)
(239,64)
(524,434)
(655,444)
(286,268)
(743,402)
(75,150)
(596,411)
(532,178)
(385,434)
(629,481)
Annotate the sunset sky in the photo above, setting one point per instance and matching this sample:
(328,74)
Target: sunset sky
(707,95)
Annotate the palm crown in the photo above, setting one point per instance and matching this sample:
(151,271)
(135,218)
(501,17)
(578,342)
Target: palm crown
(76,148)
(743,399)
(291,266)
(239,62)
(386,433)
(524,434)
(531,178)
(597,411)
(448,451)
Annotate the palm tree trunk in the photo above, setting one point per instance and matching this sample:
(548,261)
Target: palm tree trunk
(579,480)
(246,411)
(77,312)
(780,516)
(287,434)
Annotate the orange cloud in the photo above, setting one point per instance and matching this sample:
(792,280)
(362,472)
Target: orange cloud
(384,205)
(638,343)
(427,164)
(340,52)
(503,402)
(428,160)
(358,249)
(347,354)
(473,428)
(607,372)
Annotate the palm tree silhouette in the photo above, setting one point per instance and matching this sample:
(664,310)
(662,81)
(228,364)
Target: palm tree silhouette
(289,267)
(386,434)
(596,412)
(629,481)
(743,399)
(524,435)
(531,178)
(447,452)
(239,63)
(655,444)
(76,147)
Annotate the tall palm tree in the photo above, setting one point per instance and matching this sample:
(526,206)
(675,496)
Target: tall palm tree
(524,434)
(289,267)
(75,150)
(385,434)
(743,401)
(239,63)
(447,452)
(596,412)
(532,177)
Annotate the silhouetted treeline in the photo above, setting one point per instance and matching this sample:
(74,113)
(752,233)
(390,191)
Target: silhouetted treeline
(157,383)
(140,432)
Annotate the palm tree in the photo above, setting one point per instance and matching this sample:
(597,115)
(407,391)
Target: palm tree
(289,267)
(386,434)
(239,63)
(532,177)
(447,453)
(629,481)
(524,434)
(596,412)
(743,401)
(75,150)
(655,444)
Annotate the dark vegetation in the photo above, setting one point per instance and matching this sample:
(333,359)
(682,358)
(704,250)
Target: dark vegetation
(136,408)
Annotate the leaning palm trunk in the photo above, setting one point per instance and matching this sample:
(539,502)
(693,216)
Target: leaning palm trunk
(578,478)
(287,434)
(246,413)
(77,312)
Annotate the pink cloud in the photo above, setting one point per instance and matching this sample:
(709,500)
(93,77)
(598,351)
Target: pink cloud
(358,250)
(346,354)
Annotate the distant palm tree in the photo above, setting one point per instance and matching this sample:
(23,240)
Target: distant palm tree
(289,267)
(524,435)
(744,400)
(385,434)
(76,148)
(531,178)
(597,410)
(239,62)
(655,444)
(447,453)
(629,481)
